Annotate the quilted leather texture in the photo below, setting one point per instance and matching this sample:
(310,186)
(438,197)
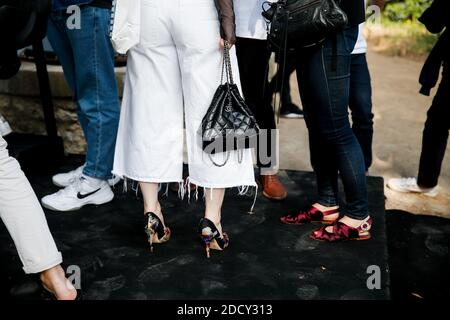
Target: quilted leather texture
(228,122)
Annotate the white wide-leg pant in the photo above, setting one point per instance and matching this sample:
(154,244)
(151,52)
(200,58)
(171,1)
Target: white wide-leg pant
(23,216)
(175,70)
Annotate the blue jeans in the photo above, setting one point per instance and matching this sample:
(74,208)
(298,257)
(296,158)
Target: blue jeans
(361,105)
(87,57)
(324,81)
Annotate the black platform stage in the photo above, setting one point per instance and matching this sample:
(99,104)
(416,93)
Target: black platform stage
(265,260)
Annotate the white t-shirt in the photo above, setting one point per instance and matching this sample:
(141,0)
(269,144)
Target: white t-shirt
(249,21)
(361,44)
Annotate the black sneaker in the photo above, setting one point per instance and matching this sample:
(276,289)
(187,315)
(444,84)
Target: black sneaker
(291,111)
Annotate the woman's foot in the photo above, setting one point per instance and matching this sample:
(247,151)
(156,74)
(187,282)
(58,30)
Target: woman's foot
(212,236)
(156,230)
(54,281)
(346,229)
(317,213)
(156,209)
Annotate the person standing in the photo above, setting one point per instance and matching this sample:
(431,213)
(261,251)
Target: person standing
(437,125)
(253,58)
(87,57)
(172,75)
(323,73)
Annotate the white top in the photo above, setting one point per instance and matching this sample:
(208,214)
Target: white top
(361,44)
(249,21)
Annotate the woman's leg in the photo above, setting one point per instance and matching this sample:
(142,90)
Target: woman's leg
(324,81)
(361,105)
(151,202)
(214,200)
(26,223)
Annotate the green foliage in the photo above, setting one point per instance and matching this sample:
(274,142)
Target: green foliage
(405,10)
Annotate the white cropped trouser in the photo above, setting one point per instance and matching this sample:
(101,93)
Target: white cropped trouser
(22,214)
(174,71)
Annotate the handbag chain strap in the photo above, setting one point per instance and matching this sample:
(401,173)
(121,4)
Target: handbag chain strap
(226,65)
(226,69)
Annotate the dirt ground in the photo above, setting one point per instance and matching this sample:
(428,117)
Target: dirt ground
(400,113)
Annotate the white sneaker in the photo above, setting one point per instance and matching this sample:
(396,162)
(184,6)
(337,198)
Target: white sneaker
(5,129)
(63,180)
(77,195)
(410,185)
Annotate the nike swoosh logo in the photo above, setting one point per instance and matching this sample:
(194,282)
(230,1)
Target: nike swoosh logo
(83,196)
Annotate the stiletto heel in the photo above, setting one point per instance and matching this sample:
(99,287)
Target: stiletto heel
(155,230)
(212,237)
(208,250)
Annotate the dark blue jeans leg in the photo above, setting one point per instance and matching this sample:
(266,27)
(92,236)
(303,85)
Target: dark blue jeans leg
(361,105)
(324,82)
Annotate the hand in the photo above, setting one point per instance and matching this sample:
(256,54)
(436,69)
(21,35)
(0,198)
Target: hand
(222,44)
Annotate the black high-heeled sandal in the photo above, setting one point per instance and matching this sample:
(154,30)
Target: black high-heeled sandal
(155,230)
(212,237)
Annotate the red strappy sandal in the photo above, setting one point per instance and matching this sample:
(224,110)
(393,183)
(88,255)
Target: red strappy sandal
(343,232)
(312,215)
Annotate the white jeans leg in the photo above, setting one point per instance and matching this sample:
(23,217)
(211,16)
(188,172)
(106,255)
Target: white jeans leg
(23,216)
(150,140)
(197,39)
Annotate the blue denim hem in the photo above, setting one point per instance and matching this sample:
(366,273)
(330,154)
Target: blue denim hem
(328,204)
(351,216)
(92,175)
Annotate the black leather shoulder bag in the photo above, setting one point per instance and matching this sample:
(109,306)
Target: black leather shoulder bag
(229,124)
(302,23)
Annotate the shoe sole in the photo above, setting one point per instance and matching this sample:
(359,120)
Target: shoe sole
(325,223)
(5,130)
(292,116)
(346,240)
(274,198)
(95,203)
(59,185)
(431,195)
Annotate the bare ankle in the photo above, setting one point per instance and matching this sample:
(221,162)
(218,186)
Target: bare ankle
(156,208)
(324,208)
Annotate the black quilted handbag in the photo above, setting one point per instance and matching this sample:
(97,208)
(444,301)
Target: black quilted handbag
(229,124)
(302,23)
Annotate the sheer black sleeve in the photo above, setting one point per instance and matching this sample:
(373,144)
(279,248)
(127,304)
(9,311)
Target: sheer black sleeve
(227,20)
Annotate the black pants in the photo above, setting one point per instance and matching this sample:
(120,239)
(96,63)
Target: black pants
(281,80)
(253,58)
(435,134)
